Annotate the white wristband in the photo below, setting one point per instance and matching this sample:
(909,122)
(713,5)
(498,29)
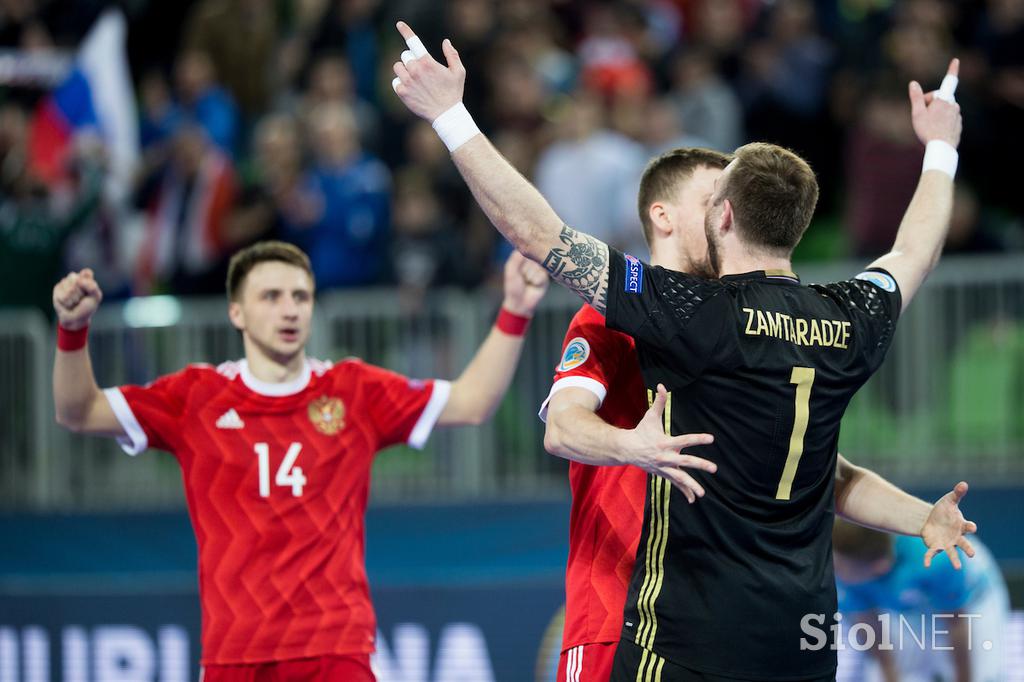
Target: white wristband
(941,156)
(455,127)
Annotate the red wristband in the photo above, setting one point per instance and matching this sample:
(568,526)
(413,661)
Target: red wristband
(511,324)
(68,340)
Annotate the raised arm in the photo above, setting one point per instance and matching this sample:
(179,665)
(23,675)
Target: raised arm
(865,498)
(80,404)
(922,233)
(478,391)
(433,92)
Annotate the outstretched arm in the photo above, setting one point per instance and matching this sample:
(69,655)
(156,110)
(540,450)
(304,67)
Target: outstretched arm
(434,92)
(80,404)
(865,498)
(922,233)
(574,431)
(478,391)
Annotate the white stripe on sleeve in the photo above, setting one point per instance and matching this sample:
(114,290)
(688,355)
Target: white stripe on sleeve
(428,418)
(134,441)
(592,385)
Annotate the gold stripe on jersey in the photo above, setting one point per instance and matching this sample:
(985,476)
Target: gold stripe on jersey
(648,553)
(659,507)
(651,665)
(657,541)
(651,534)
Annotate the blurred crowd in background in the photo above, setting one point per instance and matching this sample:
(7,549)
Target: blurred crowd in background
(275,119)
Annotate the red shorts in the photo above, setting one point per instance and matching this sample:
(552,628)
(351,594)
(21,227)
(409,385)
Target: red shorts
(319,669)
(587,663)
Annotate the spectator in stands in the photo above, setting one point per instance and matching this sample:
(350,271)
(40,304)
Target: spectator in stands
(719,26)
(186,204)
(535,38)
(609,60)
(663,129)
(427,250)
(34,226)
(519,103)
(240,37)
(350,26)
(272,195)
(331,82)
(786,73)
(158,113)
(202,100)
(707,106)
(346,234)
(883,164)
(604,167)
(785,84)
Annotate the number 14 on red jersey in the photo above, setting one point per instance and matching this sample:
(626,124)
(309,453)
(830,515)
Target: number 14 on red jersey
(287,474)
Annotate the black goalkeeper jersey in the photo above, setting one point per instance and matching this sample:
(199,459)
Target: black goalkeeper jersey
(768,366)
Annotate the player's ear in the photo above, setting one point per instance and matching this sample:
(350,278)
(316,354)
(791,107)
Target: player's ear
(236,315)
(660,217)
(725,220)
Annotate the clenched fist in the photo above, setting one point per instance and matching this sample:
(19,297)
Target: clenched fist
(76,298)
(525,284)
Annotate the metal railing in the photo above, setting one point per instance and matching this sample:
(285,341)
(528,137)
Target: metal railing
(949,400)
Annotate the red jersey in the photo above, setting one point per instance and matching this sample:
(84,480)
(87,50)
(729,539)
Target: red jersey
(607,502)
(277,478)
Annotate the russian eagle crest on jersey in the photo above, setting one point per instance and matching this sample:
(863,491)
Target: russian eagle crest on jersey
(327,415)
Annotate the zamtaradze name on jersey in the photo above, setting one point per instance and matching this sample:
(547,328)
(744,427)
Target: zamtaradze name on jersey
(634,275)
(798,330)
(882,280)
(576,353)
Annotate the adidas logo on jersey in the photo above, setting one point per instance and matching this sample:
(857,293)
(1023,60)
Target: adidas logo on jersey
(230,420)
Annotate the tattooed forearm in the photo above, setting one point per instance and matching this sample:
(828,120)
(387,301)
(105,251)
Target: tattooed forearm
(582,265)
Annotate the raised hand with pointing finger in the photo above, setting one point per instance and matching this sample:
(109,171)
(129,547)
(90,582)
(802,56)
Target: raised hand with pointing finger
(432,90)
(936,115)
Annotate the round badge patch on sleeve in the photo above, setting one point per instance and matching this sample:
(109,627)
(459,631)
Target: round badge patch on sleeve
(576,353)
(879,279)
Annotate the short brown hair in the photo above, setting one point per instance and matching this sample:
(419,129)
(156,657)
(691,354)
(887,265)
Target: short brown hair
(859,543)
(773,194)
(263,252)
(663,174)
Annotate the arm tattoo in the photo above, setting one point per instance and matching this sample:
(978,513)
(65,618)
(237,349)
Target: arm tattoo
(582,265)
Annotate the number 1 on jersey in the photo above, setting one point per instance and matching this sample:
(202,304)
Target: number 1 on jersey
(803,377)
(287,473)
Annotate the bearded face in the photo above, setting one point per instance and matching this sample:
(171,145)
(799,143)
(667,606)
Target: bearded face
(711,219)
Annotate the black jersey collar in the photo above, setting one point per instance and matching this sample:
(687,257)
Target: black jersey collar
(781,276)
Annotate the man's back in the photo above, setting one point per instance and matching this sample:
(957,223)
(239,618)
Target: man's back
(768,367)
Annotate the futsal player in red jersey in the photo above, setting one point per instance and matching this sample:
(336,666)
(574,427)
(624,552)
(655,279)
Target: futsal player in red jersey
(598,385)
(275,452)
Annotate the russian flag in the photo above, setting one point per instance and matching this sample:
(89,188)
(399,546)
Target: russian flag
(97,97)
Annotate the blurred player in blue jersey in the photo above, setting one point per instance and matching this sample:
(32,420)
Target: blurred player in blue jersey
(944,624)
